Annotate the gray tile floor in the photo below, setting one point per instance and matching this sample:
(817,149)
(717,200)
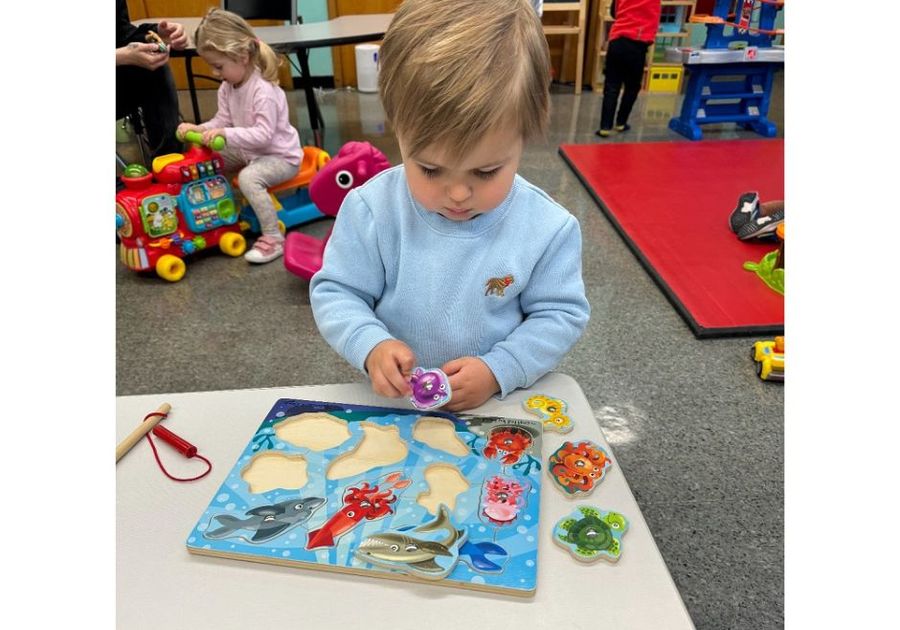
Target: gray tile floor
(698,436)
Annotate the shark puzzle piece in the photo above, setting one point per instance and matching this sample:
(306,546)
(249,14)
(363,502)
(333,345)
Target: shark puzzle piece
(267,521)
(414,552)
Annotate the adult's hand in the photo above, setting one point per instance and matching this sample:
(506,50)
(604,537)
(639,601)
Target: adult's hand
(173,34)
(143,55)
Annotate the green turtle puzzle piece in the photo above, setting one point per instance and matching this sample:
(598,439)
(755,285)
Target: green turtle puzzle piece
(590,533)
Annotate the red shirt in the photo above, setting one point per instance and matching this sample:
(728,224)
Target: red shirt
(636,19)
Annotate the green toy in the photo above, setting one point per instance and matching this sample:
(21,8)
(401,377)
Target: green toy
(767,272)
(590,534)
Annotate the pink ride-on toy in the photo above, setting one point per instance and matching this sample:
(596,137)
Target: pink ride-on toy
(355,164)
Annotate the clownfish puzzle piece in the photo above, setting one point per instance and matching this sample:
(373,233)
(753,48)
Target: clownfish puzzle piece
(578,468)
(430,388)
(551,411)
(590,534)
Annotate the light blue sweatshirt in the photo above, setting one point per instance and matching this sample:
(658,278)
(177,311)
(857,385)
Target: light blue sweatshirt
(505,286)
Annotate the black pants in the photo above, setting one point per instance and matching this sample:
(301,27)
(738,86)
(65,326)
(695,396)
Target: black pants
(624,66)
(153,99)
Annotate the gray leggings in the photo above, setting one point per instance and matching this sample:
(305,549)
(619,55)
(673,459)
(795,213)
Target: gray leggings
(254,179)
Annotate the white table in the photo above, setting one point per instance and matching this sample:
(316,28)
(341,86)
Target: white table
(160,585)
(291,38)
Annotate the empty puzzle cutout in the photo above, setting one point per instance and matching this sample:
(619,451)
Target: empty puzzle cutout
(440,434)
(445,483)
(268,471)
(380,446)
(316,431)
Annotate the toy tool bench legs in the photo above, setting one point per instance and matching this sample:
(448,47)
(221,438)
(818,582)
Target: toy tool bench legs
(730,92)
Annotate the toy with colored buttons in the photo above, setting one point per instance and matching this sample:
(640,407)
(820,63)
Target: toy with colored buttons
(578,468)
(590,534)
(551,411)
(430,388)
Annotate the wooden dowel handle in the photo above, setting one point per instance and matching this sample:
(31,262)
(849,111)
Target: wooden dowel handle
(141,430)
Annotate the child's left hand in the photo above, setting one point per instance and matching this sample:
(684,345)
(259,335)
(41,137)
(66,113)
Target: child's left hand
(471,382)
(210,134)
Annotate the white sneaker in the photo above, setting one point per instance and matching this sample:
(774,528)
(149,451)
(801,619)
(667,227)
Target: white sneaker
(265,249)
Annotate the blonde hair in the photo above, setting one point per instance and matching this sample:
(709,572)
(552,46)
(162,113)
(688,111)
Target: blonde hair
(452,71)
(229,34)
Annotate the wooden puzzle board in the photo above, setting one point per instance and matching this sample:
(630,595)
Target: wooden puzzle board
(320,484)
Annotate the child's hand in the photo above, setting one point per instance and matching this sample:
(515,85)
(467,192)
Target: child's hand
(471,382)
(184,127)
(389,366)
(209,134)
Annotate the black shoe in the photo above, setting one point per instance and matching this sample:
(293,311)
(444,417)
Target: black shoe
(624,127)
(746,210)
(761,226)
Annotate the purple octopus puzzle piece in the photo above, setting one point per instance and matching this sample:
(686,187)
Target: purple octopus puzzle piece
(430,388)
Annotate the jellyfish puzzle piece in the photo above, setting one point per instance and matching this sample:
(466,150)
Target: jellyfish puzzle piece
(430,388)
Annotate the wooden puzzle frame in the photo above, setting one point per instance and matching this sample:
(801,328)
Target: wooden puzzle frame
(459,496)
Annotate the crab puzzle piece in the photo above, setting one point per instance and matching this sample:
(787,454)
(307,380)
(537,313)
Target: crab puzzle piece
(590,534)
(552,412)
(578,468)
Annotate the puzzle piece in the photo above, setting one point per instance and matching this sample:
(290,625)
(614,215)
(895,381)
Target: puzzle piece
(578,468)
(590,534)
(551,411)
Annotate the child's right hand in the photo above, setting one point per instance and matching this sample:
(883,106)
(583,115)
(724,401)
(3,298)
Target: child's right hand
(389,366)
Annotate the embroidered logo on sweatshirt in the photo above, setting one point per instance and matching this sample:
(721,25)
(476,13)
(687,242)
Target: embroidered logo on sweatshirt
(496,286)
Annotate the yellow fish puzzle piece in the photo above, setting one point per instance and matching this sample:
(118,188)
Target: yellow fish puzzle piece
(551,411)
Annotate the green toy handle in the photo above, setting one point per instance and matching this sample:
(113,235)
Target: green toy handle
(217,144)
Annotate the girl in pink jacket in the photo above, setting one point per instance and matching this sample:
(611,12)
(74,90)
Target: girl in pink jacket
(253,117)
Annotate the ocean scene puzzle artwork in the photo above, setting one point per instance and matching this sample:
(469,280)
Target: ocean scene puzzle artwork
(393,493)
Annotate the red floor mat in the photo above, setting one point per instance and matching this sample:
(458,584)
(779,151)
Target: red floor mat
(671,201)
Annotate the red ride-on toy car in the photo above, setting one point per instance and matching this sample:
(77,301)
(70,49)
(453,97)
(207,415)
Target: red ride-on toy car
(184,206)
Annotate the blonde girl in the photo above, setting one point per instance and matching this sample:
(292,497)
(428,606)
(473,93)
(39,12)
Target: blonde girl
(253,116)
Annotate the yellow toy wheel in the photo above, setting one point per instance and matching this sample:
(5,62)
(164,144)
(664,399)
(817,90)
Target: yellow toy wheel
(322,160)
(170,268)
(233,244)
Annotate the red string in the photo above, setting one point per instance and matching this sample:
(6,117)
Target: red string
(159,461)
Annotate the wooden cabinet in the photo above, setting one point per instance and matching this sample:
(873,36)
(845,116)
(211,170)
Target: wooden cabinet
(566,20)
(344,57)
(673,31)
